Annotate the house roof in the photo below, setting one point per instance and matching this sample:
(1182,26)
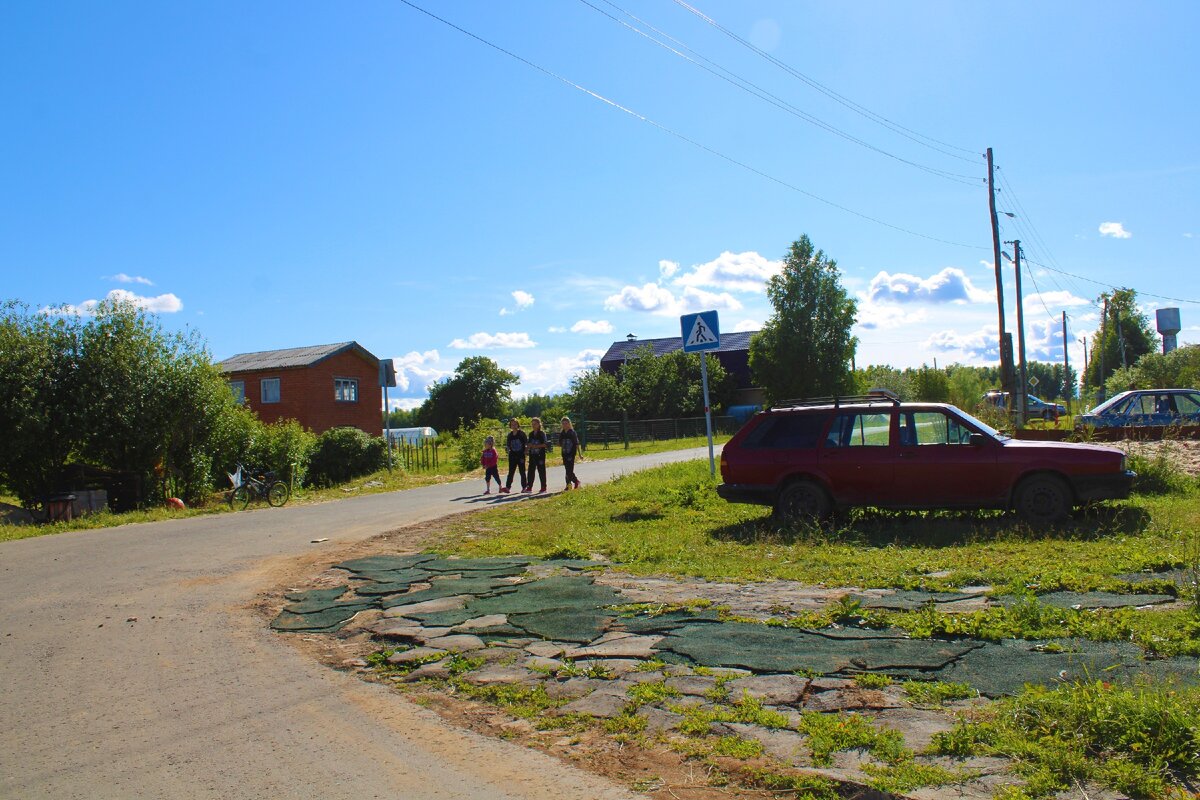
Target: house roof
(292,357)
(730,342)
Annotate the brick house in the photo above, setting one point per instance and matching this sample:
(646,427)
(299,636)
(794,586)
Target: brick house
(734,355)
(322,387)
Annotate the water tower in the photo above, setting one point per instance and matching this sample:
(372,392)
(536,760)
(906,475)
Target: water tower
(1168,326)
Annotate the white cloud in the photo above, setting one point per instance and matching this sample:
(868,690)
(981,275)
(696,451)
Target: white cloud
(747,325)
(951,285)
(416,371)
(554,375)
(405,403)
(493,341)
(733,272)
(556,329)
(655,299)
(1056,299)
(588,326)
(162,304)
(1114,229)
(121,277)
(874,316)
(667,268)
(1043,341)
(979,347)
(523,300)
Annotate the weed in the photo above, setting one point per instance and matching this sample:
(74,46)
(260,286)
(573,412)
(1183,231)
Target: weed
(520,701)
(872,680)
(626,722)
(641,694)
(584,669)
(737,747)
(1159,474)
(805,787)
(830,733)
(936,693)
(908,775)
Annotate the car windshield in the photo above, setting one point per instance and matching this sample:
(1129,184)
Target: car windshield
(1109,403)
(983,426)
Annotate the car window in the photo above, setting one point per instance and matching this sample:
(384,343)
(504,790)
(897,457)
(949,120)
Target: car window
(1188,403)
(919,428)
(787,431)
(860,429)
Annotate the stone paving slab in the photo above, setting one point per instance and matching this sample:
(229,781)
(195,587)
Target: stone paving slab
(1095,600)
(332,593)
(911,600)
(385,562)
(579,625)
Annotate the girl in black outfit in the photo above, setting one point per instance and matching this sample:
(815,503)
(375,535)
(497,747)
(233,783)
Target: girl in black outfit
(514,444)
(537,454)
(568,444)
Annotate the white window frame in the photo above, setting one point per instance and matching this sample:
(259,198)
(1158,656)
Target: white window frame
(262,389)
(341,384)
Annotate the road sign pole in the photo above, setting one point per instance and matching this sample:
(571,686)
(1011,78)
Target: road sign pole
(712,464)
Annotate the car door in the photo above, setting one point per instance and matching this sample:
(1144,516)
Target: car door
(937,465)
(857,457)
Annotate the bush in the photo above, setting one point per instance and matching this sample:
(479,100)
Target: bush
(345,453)
(1159,475)
(468,442)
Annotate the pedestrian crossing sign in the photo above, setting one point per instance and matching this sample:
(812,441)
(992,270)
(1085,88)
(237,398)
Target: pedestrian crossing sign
(700,331)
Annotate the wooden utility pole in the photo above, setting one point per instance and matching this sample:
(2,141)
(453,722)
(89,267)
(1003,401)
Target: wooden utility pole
(1068,385)
(1103,342)
(1005,367)
(1022,388)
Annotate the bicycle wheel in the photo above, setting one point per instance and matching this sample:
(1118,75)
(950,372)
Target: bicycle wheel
(239,498)
(278,494)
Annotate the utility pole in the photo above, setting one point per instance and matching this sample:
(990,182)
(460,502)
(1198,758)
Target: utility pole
(1005,367)
(1022,388)
(1068,385)
(1103,343)
(1083,339)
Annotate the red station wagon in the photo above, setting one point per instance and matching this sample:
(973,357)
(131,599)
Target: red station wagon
(807,458)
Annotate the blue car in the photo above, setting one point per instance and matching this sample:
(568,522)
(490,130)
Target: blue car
(1145,407)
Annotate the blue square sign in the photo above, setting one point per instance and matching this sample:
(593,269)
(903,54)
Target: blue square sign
(700,331)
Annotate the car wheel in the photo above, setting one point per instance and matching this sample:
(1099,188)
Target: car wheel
(1043,500)
(803,500)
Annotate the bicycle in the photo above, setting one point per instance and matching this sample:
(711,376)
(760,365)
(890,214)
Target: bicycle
(247,487)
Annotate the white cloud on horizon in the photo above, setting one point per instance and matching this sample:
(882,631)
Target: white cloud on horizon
(161,304)
(415,371)
(589,326)
(1115,230)
(654,299)
(493,341)
(732,272)
(554,375)
(951,285)
(747,325)
(979,347)
(877,316)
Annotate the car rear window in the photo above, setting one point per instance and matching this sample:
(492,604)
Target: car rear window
(786,431)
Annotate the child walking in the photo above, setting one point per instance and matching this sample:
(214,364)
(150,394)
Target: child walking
(537,454)
(568,445)
(490,460)
(514,444)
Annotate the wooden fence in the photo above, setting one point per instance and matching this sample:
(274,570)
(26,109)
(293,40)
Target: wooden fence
(607,433)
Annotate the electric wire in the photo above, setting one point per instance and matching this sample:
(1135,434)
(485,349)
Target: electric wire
(895,127)
(1115,287)
(754,89)
(682,137)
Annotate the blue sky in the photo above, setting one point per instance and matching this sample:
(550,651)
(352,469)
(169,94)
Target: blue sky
(275,175)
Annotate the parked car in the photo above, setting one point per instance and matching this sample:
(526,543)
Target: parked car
(808,458)
(1033,404)
(1145,407)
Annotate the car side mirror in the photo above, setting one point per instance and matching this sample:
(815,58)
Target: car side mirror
(976,440)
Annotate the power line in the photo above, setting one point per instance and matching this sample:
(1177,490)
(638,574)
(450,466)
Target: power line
(754,89)
(1115,287)
(895,127)
(680,136)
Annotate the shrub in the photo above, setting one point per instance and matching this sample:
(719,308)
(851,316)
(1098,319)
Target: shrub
(1158,475)
(468,442)
(345,453)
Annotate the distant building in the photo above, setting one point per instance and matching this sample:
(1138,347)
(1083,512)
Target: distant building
(322,387)
(412,435)
(733,354)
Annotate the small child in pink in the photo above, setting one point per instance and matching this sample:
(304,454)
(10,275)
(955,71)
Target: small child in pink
(490,460)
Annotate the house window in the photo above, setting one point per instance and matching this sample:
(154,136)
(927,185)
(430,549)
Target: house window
(270,390)
(345,390)
(239,391)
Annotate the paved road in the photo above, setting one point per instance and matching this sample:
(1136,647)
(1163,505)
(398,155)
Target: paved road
(195,699)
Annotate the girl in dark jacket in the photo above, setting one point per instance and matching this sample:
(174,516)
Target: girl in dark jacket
(568,445)
(514,445)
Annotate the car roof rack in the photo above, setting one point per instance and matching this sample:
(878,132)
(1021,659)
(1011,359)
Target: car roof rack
(873,396)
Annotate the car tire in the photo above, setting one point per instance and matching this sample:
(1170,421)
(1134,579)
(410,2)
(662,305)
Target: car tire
(1043,500)
(803,501)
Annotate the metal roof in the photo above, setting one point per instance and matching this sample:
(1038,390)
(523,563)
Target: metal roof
(291,357)
(619,351)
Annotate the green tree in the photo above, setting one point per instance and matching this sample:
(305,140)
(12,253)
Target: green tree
(931,385)
(669,386)
(1125,336)
(478,388)
(806,348)
(967,385)
(598,395)
(882,376)
(1179,369)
